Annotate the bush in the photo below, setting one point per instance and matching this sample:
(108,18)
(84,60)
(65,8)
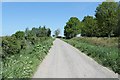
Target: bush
(24,64)
(19,35)
(23,51)
(11,45)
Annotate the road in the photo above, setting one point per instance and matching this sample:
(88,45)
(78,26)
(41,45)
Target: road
(65,61)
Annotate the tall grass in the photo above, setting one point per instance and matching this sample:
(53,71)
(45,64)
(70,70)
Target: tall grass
(105,54)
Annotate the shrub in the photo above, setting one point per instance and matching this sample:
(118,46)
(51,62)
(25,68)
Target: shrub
(24,64)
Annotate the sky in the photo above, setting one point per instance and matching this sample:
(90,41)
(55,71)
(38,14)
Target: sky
(0,19)
(20,15)
(56,0)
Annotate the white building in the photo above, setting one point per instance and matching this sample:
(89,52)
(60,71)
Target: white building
(78,35)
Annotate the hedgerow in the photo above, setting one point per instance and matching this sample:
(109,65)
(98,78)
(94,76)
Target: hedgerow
(24,64)
(23,51)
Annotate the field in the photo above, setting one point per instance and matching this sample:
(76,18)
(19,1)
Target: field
(24,64)
(103,50)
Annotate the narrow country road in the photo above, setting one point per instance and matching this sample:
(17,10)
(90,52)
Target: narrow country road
(65,61)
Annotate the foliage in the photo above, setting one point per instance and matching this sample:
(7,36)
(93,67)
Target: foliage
(107,18)
(11,45)
(22,50)
(19,35)
(24,64)
(107,56)
(37,32)
(105,23)
(72,27)
(34,35)
(48,32)
(90,26)
(57,32)
(118,25)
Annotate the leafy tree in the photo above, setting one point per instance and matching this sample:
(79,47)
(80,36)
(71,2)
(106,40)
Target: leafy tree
(48,32)
(106,15)
(14,44)
(109,0)
(43,31)
(38,32)
(19,35)
(118,25)
(10,45)
(72,27)
(89,26)
(26,31)
(116,32)
(57,32)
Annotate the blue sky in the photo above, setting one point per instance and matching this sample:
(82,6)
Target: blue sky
(0,18)
(20,15)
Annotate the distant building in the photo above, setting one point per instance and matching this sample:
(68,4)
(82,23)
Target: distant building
(78,35)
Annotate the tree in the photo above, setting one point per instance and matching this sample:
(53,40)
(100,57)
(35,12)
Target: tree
(118,25)
(116,32)
(109,0)
(48,32)
(19,35)
(89,26)
(38,32)
(26,31)
(11,45)
(72,27)
(106,15)
(57,32)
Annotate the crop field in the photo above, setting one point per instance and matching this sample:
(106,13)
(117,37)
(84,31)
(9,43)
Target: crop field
(103,50)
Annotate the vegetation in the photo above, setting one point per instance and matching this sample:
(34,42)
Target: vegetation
(23,51)
(18,41)
(118,25)
(105,54)
(24,64)
(72,27)
(89,26)
(57,32)
(107,18)
(104,24)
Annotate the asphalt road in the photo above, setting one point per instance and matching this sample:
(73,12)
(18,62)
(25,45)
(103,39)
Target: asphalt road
(65,61)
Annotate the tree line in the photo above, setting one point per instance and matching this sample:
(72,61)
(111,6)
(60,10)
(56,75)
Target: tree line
(106,22)
(16,42)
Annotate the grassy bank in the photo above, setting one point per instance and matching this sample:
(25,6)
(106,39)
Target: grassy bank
(103,50)
(24,64)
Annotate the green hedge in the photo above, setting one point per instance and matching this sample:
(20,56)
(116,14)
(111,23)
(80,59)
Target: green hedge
(24,64)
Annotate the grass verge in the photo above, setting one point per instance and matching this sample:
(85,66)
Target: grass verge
(106,55)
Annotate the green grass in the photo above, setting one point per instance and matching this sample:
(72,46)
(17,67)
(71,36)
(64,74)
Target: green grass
(101,41)
(24,65)
(103,53)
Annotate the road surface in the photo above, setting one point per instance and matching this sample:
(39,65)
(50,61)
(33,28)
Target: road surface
(65,61)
